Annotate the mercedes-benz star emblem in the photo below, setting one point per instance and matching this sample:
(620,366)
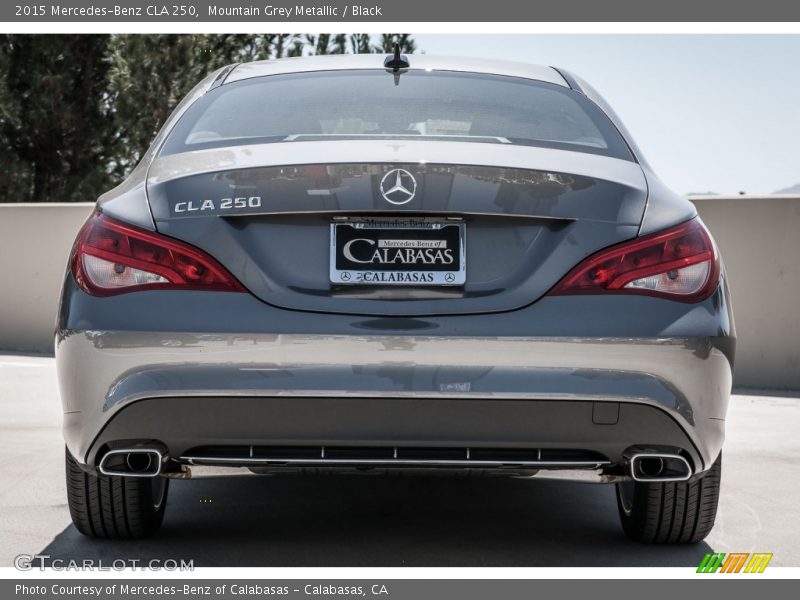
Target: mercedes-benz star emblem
(398,186)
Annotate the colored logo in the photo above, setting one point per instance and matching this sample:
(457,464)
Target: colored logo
(735,562)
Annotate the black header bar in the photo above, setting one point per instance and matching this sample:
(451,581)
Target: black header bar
(319,11)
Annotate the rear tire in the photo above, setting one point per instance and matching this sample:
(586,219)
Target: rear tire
(672,512)
(113,507)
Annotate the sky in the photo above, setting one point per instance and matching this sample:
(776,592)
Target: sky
(711,113)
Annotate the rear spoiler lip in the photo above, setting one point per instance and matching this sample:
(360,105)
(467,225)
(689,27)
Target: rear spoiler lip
(360,214)
(471,154)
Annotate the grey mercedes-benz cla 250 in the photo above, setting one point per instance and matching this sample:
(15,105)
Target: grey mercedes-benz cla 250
(395,263)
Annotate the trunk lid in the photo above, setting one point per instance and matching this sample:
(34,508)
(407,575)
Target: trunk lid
(265,212)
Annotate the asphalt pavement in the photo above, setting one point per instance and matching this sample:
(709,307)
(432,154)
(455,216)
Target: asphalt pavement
(391,521)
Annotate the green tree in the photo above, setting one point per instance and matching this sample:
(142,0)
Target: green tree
(53,121)
(388,40)
(150,74)
(78,111)
(360,43)
(324,43)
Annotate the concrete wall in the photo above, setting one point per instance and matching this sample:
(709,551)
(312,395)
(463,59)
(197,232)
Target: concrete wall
(35,241)
(759,238)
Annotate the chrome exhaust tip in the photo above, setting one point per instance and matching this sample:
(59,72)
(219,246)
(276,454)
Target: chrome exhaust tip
(654,468)
(131,462)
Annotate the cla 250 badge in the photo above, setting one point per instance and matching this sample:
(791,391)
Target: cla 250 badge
(223,204)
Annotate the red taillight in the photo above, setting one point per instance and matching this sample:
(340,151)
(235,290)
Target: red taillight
(679,263)
(110,257)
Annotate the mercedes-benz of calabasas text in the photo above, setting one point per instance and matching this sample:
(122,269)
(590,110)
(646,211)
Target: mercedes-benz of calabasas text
(369,263)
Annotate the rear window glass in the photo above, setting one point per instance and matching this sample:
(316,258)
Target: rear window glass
(435,105)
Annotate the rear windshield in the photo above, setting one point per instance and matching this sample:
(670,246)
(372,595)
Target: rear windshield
(431,105)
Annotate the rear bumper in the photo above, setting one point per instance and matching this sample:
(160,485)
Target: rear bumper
(387,431)
(590,374)
(602,395)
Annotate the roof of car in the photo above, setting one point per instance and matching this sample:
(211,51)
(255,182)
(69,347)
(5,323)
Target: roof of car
(337,62)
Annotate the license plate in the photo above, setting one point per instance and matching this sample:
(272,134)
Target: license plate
(397,252)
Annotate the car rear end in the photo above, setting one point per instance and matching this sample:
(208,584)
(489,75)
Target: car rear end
(344,266)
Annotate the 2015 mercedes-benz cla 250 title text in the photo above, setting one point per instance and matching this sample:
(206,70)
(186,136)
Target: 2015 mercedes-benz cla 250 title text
(369,263)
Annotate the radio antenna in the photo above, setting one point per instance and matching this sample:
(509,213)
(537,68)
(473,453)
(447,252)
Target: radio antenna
(395,62)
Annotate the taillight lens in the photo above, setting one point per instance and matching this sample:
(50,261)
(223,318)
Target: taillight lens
(111,257)
(680,263)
